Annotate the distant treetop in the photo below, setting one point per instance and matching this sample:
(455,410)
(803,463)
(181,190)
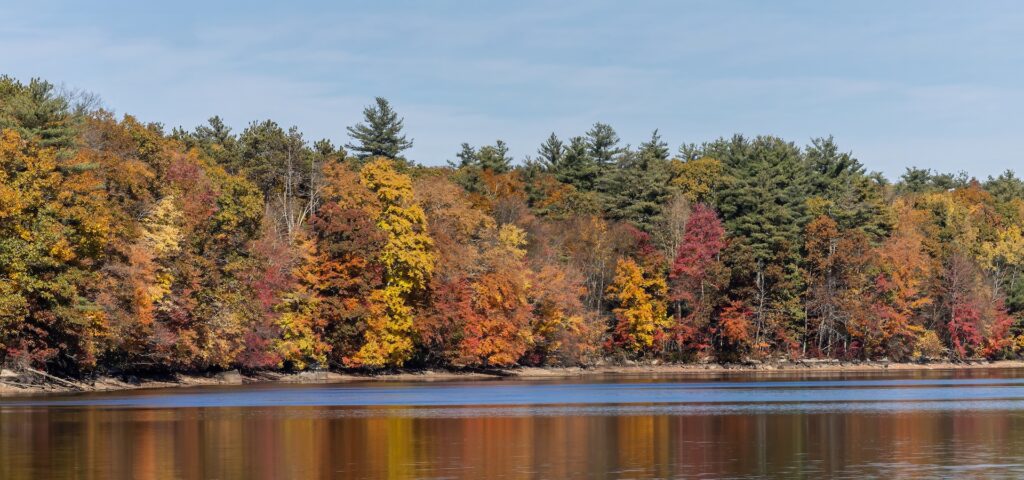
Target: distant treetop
(380,133)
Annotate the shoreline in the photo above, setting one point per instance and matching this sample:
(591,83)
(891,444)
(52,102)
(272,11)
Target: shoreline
(11,387)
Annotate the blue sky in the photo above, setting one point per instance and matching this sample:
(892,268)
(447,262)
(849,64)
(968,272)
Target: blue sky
(927,83)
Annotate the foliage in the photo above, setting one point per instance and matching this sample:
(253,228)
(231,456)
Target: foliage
(128,249)
(54,223)
(407,261)
(698,277)
(640,312)
(380,134)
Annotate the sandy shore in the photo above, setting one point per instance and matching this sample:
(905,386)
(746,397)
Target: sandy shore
(11,384)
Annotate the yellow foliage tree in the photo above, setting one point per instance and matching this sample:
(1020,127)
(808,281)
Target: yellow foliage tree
(389,330)
(697,179)
(1004,256)
(301,341)
(54,223)
(640,312)
(408,261)
(161,237)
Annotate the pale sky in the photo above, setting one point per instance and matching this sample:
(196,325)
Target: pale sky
(927,83)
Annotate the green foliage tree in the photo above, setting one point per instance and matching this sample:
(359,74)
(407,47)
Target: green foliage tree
(840,189)
(380,134)
(603,144)
(577,167)
(637,189)
(38,113)
(551,153)
(763,204)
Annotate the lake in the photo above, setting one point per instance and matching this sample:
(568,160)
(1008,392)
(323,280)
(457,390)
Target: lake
(922,424)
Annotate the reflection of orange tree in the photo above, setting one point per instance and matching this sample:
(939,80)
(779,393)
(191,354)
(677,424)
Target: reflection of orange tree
(310,442)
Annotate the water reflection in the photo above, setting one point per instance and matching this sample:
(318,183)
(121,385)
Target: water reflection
(568,441)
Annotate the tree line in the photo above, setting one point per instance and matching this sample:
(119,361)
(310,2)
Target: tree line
(125,247)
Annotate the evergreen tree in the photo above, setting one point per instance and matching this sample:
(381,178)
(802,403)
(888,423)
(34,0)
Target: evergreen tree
(38,113)
(285,169)
(918,180)
(216,140)
(1006,187)
(263,148)
(551,153)
(467,156)
(494,157)
(654,149)
(764,197)
(763,206)
(380,134)
(489,157)
(602,144)
(215,132)
(578,168)
(473,162)
(843,191)
(637,189)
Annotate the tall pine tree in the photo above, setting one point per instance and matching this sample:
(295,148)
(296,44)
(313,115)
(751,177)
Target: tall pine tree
(380,134)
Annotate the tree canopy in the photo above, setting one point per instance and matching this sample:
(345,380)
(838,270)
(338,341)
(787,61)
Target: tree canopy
(127,248)
(379,134)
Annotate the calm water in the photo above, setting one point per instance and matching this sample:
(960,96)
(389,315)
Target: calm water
(904,425)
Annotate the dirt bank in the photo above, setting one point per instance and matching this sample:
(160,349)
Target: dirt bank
(12,383)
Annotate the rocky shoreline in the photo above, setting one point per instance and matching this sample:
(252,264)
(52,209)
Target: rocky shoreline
(14,383)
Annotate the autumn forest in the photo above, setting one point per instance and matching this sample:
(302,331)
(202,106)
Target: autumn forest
(126,246)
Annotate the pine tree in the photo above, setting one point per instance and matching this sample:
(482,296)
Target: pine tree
(264,152)
(38,113)
(215,132)
(551,153)
(654,149)
(473,163)
(467,156)
(215,139)
(843,191)
(763,205)
(380,134)
(494,157)
(637,188)
(919,180)
(764,198)
(602,144)
(577,167)
(1006,187)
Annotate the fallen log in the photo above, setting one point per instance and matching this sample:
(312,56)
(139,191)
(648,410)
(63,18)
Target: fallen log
(66,383)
